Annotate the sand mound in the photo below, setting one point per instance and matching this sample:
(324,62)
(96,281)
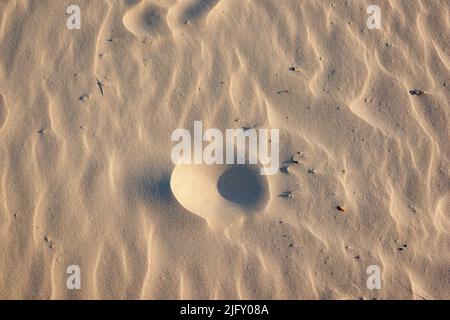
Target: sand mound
(145,20)
(219,193)
(196,10)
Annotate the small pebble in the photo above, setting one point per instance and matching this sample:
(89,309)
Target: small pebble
(416,92)
(284,169)
(286,194)
(293,160)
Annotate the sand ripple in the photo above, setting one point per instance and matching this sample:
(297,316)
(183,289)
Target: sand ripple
(90,181)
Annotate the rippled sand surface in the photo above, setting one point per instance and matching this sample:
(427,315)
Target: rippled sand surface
(86,178)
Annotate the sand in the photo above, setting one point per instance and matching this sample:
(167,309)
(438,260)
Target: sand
(86,177)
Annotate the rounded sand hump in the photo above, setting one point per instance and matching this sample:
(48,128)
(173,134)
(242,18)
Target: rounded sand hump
(145,20)
(220,193)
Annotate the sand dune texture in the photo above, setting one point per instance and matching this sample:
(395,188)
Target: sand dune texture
(86,176)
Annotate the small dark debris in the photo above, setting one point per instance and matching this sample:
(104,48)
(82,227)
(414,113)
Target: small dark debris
(284,169)
(248,128)
(416,92)
(340,208)
(292,69)
(286,194)
(282,91)
(100,85)
(291,160)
